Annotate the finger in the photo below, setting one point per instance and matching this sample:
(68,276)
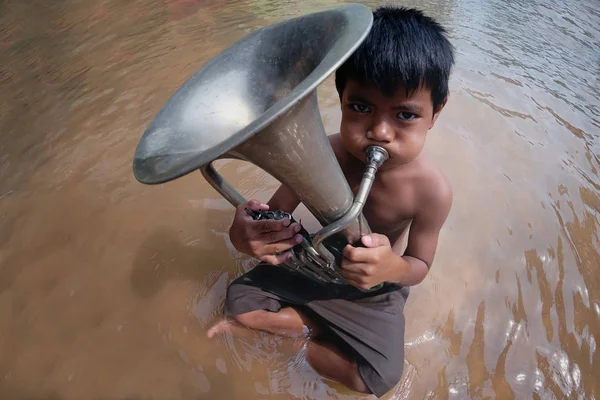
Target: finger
(361,270)
(276,259)
(283,245)
(358,283)
(375,240)
(352,275)
(278,236)
(270,225)
(256,205)
(358,254)
(351,267)
(348,251)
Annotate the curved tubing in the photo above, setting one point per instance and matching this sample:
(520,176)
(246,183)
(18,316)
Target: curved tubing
(376,156)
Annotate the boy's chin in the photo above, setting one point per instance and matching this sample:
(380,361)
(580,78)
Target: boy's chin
(360,156)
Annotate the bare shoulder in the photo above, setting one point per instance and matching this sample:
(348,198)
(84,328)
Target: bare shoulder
(434,190)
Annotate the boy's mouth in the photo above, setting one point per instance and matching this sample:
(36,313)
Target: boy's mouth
(376,144)
(376,155)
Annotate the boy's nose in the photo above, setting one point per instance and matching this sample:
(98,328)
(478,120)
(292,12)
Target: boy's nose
(381,132)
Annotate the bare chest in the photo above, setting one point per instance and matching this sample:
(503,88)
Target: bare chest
(389,208)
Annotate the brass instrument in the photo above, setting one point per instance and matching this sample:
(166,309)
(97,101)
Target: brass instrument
(257,101)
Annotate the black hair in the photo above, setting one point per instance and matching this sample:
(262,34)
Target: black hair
(404,47)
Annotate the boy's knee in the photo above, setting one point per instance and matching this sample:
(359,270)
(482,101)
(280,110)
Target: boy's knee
(358,383)
(250,319)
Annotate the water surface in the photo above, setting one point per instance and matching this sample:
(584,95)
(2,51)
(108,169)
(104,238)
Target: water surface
(107,286)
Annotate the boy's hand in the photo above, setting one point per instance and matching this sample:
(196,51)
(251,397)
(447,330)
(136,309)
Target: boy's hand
(267,240)
(368,267)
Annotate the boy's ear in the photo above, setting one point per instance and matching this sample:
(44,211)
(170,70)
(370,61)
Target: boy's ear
(437,112)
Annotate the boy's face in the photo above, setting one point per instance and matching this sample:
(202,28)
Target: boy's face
(397,123)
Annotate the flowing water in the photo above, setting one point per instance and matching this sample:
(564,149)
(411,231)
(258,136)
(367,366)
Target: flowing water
(107,286)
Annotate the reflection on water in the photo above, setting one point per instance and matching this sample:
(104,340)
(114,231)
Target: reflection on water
(107,286)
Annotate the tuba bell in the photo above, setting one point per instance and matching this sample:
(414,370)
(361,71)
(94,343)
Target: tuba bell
(256,101)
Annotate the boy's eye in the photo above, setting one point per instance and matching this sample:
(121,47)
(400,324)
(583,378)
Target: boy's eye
(361,108)
(407,116)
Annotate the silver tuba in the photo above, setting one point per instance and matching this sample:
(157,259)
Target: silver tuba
(257,101)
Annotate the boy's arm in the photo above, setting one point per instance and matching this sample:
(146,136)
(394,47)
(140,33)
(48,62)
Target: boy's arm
(382,262)
(284,199)
(423,238)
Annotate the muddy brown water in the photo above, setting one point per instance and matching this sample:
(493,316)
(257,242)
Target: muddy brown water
(107,286)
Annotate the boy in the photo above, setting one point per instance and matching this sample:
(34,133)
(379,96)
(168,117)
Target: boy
(392,90)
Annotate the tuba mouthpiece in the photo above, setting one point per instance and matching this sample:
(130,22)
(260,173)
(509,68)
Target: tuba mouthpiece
(376,156)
